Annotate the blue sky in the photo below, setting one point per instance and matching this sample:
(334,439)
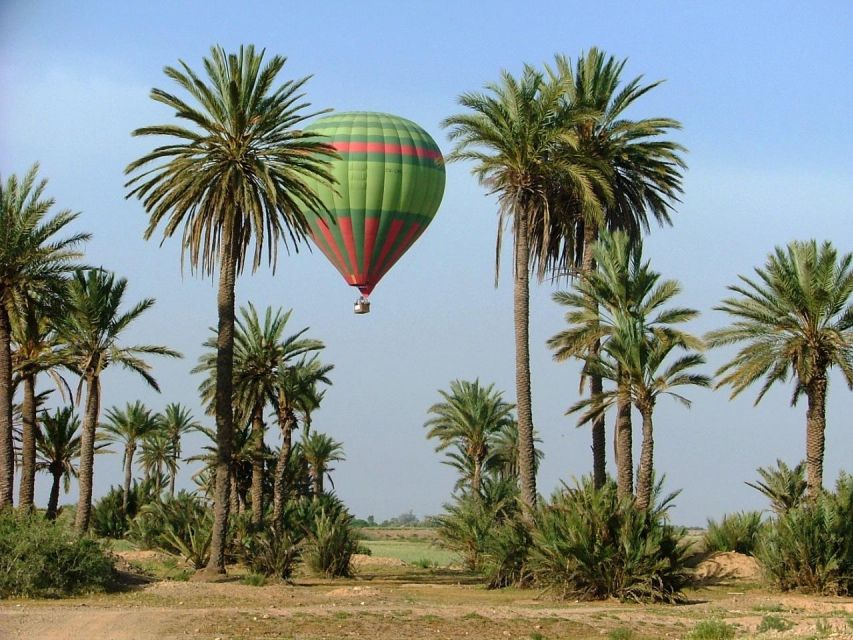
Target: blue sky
(763,91)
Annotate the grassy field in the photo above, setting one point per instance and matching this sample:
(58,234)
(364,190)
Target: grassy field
(413,552)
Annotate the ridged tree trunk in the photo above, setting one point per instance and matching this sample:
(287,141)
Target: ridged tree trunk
(53,501)
(87,453)
(599,437)
(477,477)
(26,493)
(647,452)
(286,420)
(521,304)
(173,474)
(815,433)
(258,467)
(7,451)
(224,393)
(234,493)
(624,453)
(129,450)
(317,481)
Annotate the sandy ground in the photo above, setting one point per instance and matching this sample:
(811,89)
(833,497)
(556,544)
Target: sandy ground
(388,602)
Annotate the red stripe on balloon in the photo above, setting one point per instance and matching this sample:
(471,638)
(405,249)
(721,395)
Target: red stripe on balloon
(371,227)
(336,257)
(382,147)
(408,240)
(345,225)
(376,268)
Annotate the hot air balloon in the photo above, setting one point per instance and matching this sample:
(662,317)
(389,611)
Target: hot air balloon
(390,180)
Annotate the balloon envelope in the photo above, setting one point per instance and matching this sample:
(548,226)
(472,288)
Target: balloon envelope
(390,180)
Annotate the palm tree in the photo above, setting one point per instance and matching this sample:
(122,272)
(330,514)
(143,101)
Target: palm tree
(795,321)
(176,421)
(239,174)
(35,349)
(297,393)
(640,171)
(514,133)
(129,427)
(57,450)
(622,289)
(785,486)
(92,329)
(157,455)
(504,458)
(469,419)
(319,450)
(32,259)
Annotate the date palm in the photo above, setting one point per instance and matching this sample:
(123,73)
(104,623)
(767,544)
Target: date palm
(504,459)
(92,330)
(32,259)
(176,421)
(236,174)
(622,289)
(157,458)
(515,133)
(129,427)
(319,450)
(794,321)
(468,419)
(640,176)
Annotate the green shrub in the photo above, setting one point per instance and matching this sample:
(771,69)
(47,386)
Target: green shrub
(773,623)
(738,532)
(254,580)
(784,486)
(272,552)
(591,544)
(330,542)
(506,552)
(42,559)
(712,630)
(181,525)
(108,517)
(810,547)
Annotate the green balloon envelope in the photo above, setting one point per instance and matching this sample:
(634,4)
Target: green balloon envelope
(390,180)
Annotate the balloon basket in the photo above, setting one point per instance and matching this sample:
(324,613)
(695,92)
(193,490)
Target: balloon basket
(361,306)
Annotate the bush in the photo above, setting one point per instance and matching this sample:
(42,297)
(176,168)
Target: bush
(272,552)
(108,517)
(42,559)
(330,541)
(712,630)
(591,544)
(810,547)
(181,525)
(738,532)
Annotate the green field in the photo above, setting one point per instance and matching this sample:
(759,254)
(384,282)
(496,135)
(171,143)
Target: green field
(412,551)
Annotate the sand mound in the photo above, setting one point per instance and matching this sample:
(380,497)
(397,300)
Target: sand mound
(360,560)
(728,565)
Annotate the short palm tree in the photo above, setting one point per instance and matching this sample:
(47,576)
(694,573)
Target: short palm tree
(176,421)
(794,321)
(157,458)
(639,173)
(92,330)
(468,420)
(504,458)
(319,450)
(57,450)
(129,427)
(514,134)
(237,175)
(32,259)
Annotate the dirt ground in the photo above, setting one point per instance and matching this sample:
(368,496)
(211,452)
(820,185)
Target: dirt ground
(390,601)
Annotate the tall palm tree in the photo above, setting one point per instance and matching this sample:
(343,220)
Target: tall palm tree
(319,450)
(237,175)
(298,393)
(514,134)
(32,258)
(176,421)
(622,288)
(35,349)
(469,418)
(157,458)
(640,173)
(58,449)
(794,321)
(92,329)
(129,427)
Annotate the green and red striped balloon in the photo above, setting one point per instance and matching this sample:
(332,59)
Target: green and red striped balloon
(390,180)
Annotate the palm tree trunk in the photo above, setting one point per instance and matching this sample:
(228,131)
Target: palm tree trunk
(224,393)
(521,304)
(286,421)
(87,453)
(599,446)
(128,475)
(476,478)
(173,474)
(258,466)
(644,476)
(815,433)
(234,493)
(26,493)
(7,451)
(624,454)
(317,482)
(53,501)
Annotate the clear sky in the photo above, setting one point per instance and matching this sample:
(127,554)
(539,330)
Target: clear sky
(763,90)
